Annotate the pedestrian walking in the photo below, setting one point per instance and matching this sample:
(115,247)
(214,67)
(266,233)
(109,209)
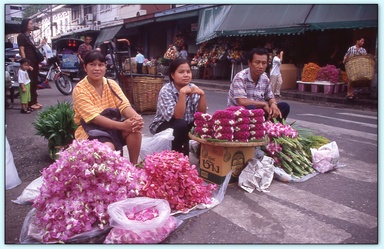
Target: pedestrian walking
(27,50)
(275,75)
(82,51)
(48,55)
(184,53)
(355,50)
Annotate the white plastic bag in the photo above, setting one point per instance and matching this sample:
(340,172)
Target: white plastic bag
(12,177)
(30,192)
(159,142)
(257,175)
(32,234)
(127,230)
(325,158)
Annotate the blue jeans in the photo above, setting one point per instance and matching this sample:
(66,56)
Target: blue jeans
(283,107)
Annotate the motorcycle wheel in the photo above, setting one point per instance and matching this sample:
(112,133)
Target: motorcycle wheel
(64,84)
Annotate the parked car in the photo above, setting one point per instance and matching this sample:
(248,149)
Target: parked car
(12,54)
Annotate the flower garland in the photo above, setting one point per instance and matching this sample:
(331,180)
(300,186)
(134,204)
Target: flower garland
(233,124)
(80,185)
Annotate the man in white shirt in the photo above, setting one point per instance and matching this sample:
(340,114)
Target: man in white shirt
(46,49)
(275,75)
(48,55)
(139,60)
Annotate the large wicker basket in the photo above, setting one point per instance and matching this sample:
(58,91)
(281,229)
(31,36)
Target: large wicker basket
(360,69)
(142,90)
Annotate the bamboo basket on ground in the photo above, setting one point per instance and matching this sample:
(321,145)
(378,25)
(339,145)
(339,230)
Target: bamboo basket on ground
(142,90)
(360,70)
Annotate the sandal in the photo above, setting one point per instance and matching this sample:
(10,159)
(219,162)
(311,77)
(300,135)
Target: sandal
(25,111)
(30,109)
(35,107)
(38,104)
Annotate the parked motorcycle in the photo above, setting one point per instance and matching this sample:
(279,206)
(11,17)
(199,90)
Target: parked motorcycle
(53,72)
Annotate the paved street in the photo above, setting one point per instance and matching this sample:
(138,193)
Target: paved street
(339,207)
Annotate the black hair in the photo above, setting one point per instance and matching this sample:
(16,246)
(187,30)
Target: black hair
(174,65)
(258,51)
(25,60)
(24,25)
(94,55)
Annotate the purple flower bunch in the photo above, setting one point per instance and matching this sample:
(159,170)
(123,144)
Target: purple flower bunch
(79,186)
(328,73)
(171,177)
(275,131)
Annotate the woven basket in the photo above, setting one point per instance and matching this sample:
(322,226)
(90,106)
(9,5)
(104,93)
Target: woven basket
(360,68)
(142,91)
(127,66)
(152,70)
(145,70)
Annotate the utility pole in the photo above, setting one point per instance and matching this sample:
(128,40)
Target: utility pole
(51,21)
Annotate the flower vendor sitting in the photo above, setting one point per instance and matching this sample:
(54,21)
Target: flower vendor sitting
(100,106)
(178,101)
(251,88)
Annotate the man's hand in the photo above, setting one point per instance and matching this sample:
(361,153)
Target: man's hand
(274,111)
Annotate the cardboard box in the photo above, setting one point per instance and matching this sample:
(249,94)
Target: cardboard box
(217,161)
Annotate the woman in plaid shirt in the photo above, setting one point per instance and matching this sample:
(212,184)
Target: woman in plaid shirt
(178,101)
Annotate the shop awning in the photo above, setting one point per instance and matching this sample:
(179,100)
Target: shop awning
(280,19)
(107,34)
(242,20)
(339,16)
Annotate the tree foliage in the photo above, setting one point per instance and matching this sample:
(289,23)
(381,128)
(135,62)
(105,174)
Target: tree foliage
(32,9)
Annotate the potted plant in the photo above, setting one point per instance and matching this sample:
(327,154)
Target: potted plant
(56,124)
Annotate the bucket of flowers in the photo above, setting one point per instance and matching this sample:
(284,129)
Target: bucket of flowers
(151,65)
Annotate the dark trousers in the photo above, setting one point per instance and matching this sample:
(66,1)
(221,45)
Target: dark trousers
(180,131)
(34,76)
(140,68)
(283,107)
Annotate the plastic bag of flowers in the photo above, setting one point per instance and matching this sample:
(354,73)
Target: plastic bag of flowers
(79,186)
(140,220)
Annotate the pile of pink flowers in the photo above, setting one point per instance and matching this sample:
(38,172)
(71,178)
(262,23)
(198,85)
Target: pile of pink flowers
(234,124)
(171,177)
(80,185)
(328,73)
